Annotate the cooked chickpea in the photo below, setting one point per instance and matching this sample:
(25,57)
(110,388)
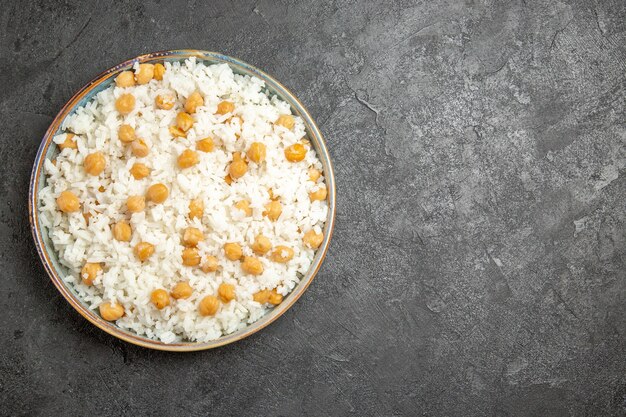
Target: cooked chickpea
(225,107)
(164,102)
(282,254)
(191,257)
(184,121)
(211,264)
(122,231)
(135,203)
(233,251)
(139,148)
(89,272)
(94,163)
(262,296)
(157,193)
(143,250)
(209,305)
(256,152)
(295,152)
(314,174)
(188,158)
(126,133)
(238,167)
(69,142)
(144,74)
(244,205)
(313,240)
(159,71)
(319,194)
(125,103)
(182,290)
(68,202)
(205,145)
(252,265)
(196,208)
(177,133)
(191,237)
(111,312)
(226,292)
(125,79)
(273,210)
(160,298)
(139,171)
(275,298)
(193,101)
(261,245)
(285,120)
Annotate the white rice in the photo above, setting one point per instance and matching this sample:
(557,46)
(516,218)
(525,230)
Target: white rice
(128,281)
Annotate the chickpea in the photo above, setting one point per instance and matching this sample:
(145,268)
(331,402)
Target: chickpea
(238,167)
(68,202)
(125,79)
(273,210)
(261,245)
(182,290)
(111,312)
(252,265)
(244,205)
(205,145)
(126,133)
(94,163)
(319,194)
(282,254)
(125,103)
(211,264)
(157,193)
(160,298)
(275,298)
(233,251)
(209,305)
(89,272)
(313,240)
(188,158)
(196,208)
(139,170)
(184,121)
(256,152)
(226,292)
(164,102)
(262,296)
(144,74)
(314,174)
(228,179)
(135,203)
(69,142)
(225,107)
(191,257)
(285,120)
(139,148)
(159,71)
(191,237)
(122,231)
(177,133)
(193,101)
(295,152)
(144,250)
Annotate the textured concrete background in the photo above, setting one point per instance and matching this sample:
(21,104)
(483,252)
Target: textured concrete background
(479,261)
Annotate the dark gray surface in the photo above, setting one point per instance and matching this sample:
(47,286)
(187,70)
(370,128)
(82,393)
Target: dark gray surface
(478,263)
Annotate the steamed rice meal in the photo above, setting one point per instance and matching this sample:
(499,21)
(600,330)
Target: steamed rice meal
(185,201)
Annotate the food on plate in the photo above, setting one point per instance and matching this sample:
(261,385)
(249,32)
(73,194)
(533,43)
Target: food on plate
(185,202)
